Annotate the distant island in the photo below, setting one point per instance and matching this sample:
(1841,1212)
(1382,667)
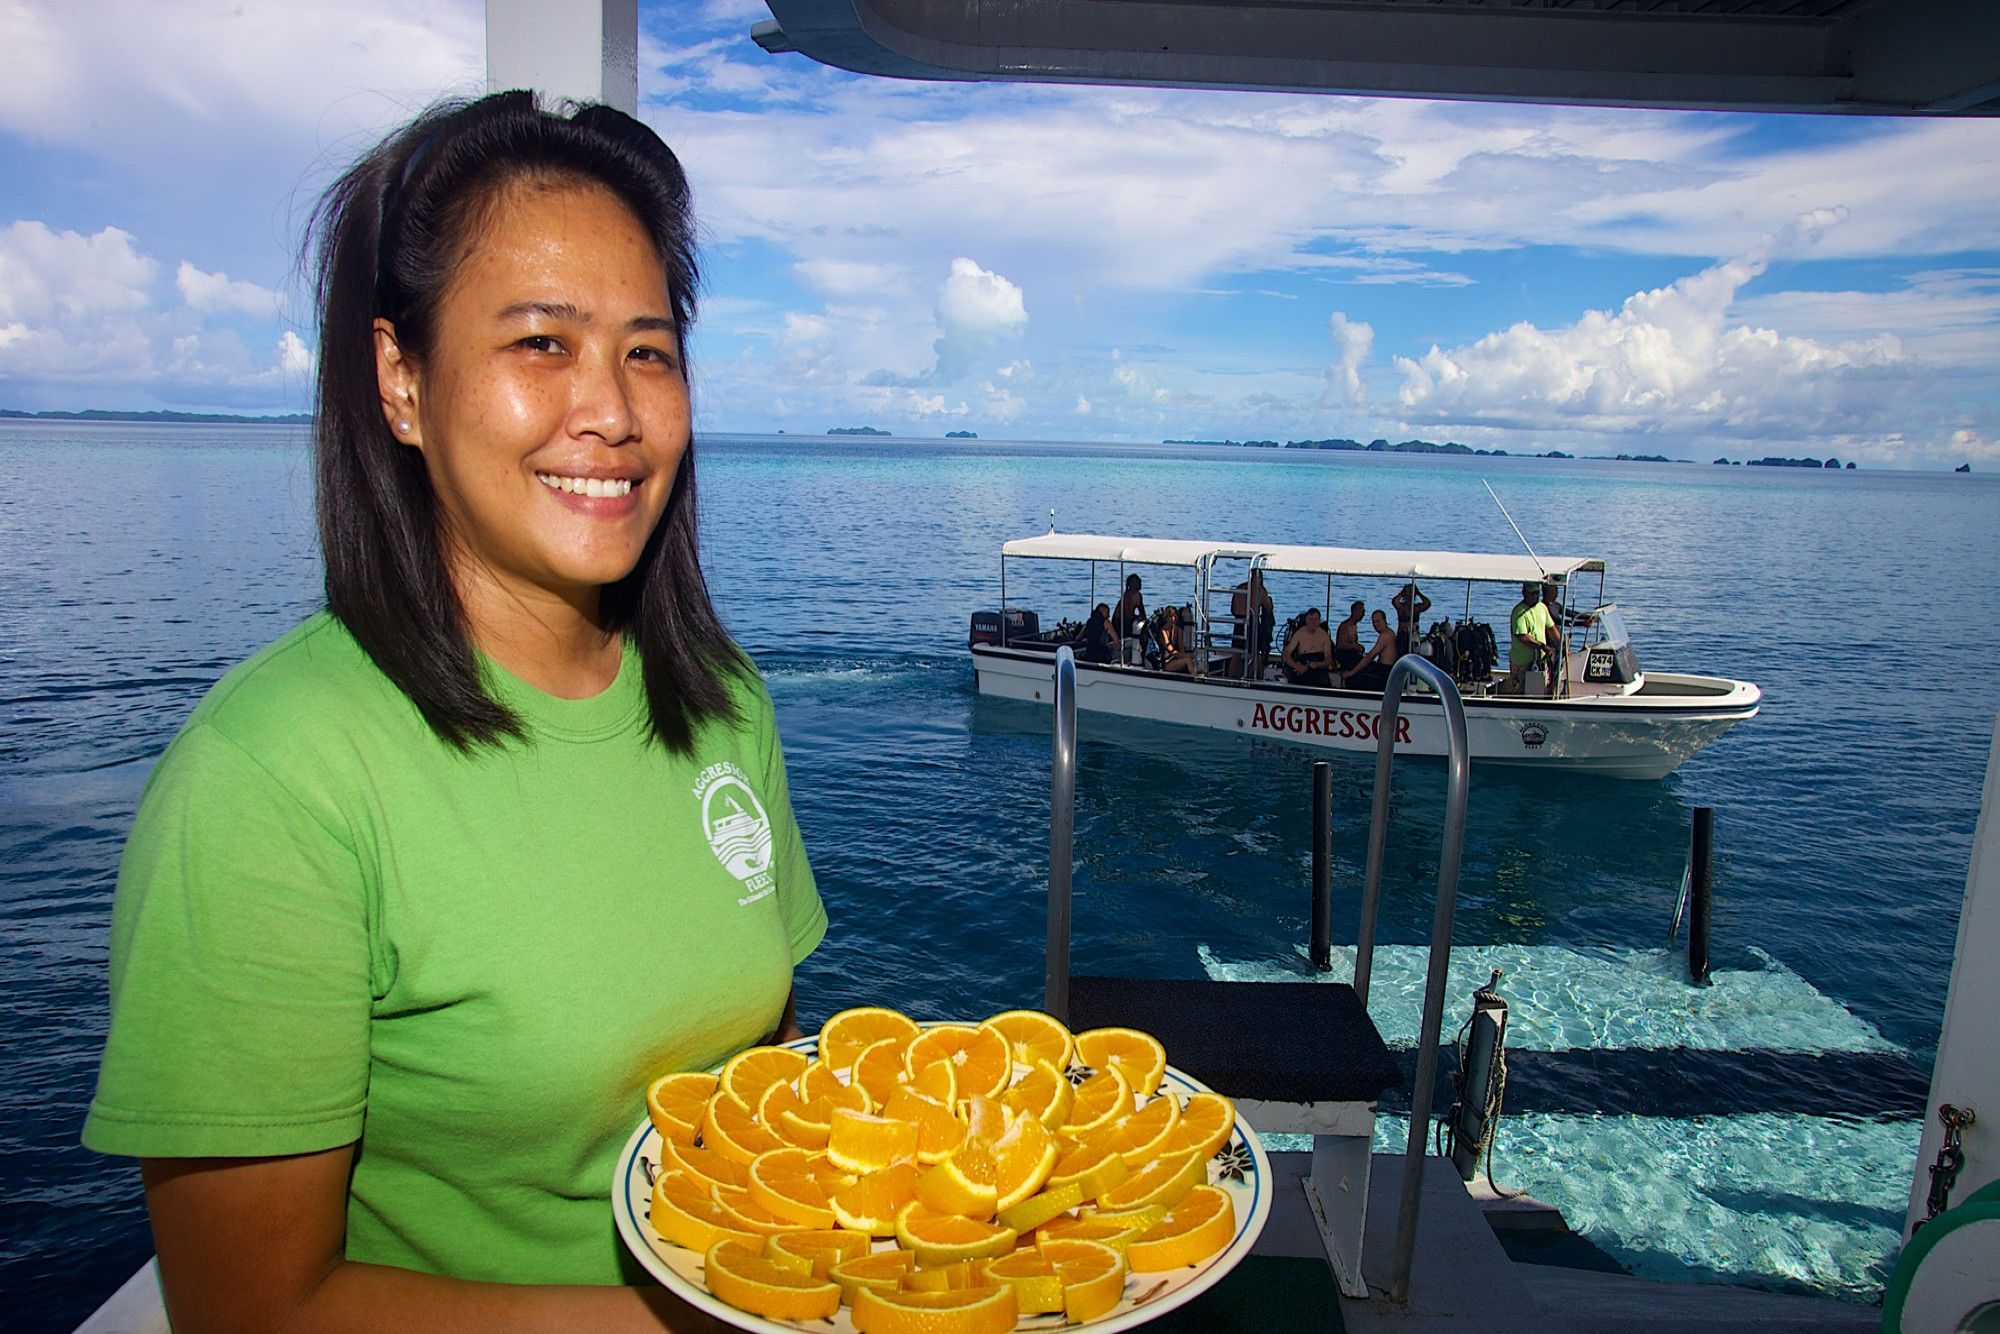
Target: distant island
(1372,447)
(854,430)
(1963,467)
(1773,461)
(961,435)
(199,418)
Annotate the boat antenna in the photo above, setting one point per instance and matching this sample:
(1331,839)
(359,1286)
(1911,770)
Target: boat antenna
(1516,527)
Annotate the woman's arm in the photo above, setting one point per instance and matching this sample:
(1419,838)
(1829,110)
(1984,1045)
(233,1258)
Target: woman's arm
(256,1244)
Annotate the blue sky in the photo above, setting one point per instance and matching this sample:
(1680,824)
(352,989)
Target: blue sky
(1051,262)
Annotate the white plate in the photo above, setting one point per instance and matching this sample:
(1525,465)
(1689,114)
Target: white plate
(1240,1168)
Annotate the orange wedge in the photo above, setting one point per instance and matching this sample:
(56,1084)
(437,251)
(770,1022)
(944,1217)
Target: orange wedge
(808,1123)
(882,1271)
(705,1165)
(1164,1181)
(684,1213)
(1036,1210)
(849,1033)
(941,1238)
(1093,1276)
(731,1129)
(879,1068)
(985,1118)
(1199,1226)
(818,1080)
(938,1131)
(937,1081)
(1033,1036)
(954,1277)
(979,1056)
(746,1215)
(785,1182)
(748,1073)
(1093,1168)
(750,1281)
(1044,1094)
(675,1103)
(1118,1236)
(964,1183)
(863,1142)
(1205,1125)
(1037,1286)
(1023,1157)
(871,1204)
(1103,1098)
(1139,1055)
(815,1253)
(972,1311)
(1141,1136)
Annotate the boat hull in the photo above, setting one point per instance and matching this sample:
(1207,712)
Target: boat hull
(1647,734)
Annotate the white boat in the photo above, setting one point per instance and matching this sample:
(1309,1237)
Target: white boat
(1605,715)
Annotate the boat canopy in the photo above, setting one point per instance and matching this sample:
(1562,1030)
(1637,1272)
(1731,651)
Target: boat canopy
(1355,561)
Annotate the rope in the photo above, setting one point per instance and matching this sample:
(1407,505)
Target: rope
(1444,1136)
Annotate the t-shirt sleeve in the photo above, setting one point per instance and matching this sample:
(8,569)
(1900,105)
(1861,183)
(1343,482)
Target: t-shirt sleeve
(241,987)
(798,892)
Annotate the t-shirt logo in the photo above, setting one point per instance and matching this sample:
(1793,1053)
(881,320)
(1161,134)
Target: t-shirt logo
(738,830)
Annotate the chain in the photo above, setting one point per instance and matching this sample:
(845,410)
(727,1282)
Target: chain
(1950,1159)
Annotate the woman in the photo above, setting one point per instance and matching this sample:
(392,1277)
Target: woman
(1175,655)
(1099,642)
(427,891)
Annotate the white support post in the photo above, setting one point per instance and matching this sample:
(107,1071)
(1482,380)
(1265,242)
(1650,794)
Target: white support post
(582,50)
(1966,1075)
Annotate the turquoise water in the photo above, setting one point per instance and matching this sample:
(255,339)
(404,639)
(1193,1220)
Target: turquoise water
(138,563)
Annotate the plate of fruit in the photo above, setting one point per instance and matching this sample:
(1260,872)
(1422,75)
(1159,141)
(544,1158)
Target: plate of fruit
(887,1175)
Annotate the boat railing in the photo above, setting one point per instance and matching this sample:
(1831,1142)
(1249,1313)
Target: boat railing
(1062,834)
(1408,669)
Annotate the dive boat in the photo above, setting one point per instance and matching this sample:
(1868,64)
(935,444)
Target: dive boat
(1597,712)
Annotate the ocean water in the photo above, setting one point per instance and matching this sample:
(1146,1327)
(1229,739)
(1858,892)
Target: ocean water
(138,563)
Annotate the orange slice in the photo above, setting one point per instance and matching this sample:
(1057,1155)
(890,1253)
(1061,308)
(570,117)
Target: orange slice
(1103,1098)
(809,1123)
(938,1131)
(1118,1236)
(954,1277)
(705,1165)
(818,1080)
(1164,1181)
(940,1238)
(879,1069)
(1139,1055)
(849,1033)
(731,1129)
(871,1204)
(1199,1226)
(1093,1276)
(1205,1126)
(1141,1136)
(937,1081)
(816,1253)
(1093,1168)
(675,1103)
(750,1281)
(684,1213)
(1036,1210)
(1044,1094)
(979,1056)
(785,1182)
(1033,1036)
(1024,1156)
(746,1215)
(1037,1286)
(964,1183)
(882,1271)
(748,1073)
(863,1142)
(973,1311)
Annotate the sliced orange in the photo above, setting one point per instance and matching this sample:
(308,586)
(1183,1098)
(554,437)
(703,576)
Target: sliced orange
(731,1129)
(684,1213)
(940,1238)
(985,1118)
(1141,1136)
(750,1281)
(937,1081)
(871,1204)
(1164,1181)
(954,1277)
(1094,1168)
(746,1215)
(1033,1036)
(1093,1275)
(675,1103)
(1139,1055)
(1118,1236)
(1037,1286)
(1024,1156)
(816,1253)
(973,1311)
(705,1165)
(818,1080)
(964,1183)
(863,1142)
(809,1124)
(1043,1093)
(1103,1098)
(938,1131)
(879,1069)
(748,1073)
(785,1182)
(1031,1213)
(1199,1226)
(1205,1126)
(980,1057)
(777,1100)
(849,1033)
(881,1271)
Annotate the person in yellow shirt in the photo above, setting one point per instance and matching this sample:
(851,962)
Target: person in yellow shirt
(1531,635)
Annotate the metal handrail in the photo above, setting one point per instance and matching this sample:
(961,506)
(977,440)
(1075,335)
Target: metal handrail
(1458,763)
(1062,835)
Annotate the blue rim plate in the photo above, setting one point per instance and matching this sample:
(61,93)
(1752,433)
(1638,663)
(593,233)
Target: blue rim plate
(1239,1167)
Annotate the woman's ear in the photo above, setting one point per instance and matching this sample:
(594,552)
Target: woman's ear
(397,382)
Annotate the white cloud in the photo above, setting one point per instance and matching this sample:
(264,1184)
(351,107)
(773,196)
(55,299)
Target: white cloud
(294,357)
(218,291)
(1351,341)
(848,277)
(46,275)
(1082,406)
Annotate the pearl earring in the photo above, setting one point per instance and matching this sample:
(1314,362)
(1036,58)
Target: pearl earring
(403,428)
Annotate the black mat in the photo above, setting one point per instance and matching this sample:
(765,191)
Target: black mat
(1264,1294)
(1273,1041)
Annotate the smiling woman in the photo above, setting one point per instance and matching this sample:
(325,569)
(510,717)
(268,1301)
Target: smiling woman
(425,894)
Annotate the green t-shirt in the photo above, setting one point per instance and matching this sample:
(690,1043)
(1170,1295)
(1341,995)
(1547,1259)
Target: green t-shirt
(1534,622)
(332,927)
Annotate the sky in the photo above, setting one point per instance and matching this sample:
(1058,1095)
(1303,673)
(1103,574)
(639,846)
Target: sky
(1042,262)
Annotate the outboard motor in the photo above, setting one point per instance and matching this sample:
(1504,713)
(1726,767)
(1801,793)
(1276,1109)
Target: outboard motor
(1002,627)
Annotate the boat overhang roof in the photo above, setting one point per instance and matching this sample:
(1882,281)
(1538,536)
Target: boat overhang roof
(1360,562)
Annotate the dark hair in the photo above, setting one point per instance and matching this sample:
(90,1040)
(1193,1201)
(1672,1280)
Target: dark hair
(1358,605)
(384,243)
